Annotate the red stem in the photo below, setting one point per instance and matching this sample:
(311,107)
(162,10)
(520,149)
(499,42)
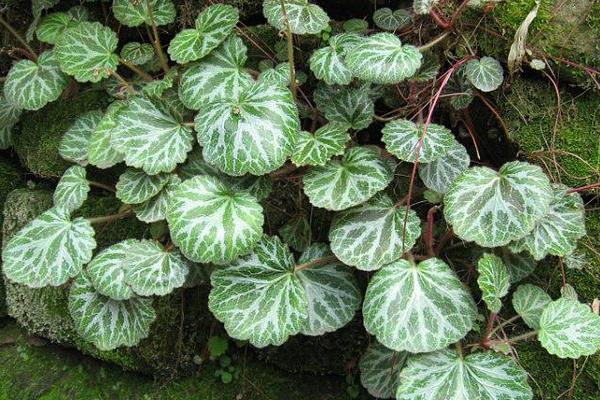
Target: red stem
(485,339)
(442,23)
(584,188)
(429,231)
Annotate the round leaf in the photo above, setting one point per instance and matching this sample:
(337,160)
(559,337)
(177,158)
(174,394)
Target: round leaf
(485,74)
(135,186)
(380,370)
(136,13)
(529,301)
(106,271)
(302,16)
(347,106)
(328,63)
(493,280)
(101,152)
(137,53)
(439,174)
(74,145)
(318,148)
(155,209)
(389,20)
(53,25)
(402,138)
(72,189)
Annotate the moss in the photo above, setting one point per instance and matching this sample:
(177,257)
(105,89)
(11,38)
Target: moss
(510,14)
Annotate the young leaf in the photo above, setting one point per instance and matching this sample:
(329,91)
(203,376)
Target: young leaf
(402,137)
(493,280)
(381,58)
(355,25)
(10,114)
(74,145)
(529,301)
(372,234)
(388,20)
(106,271)
(318,148)
(348,106)
(445,374)
(348,182)
(296,233)
(253,132)
(53,25)
(211,222)
(157,87)
(423,7)
(439,174)
(328,63)
(49,250)
(72,189)
(137,53)
(86,51)
(277,75)
(31,85)
(417,307)
(569,329)
(493,208)
(302,16)
(485,74)
(155,209)
(105,322)
(135,13)
(380,370)
(212,26)
(135,186)
(101,152)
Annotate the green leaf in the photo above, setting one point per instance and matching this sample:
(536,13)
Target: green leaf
(493,280)
(72,189)
(53,25)
(135,186)
(388,20)
(253,132)
(445,374)
(371,235)
(79,13)
(74,145)
(493,208)
(156,88)
(217,346)
(101,152)
(106,271)
(220,76)
(568,292)
(10,114)
(439,174)
(430,67)
(49,250)
(418,307)
(520,265)
(380,370)
(381,58)
(328,63)
(135,13)
(105,322)
(31,85)
(576,260)
(485,74)
(277,75)
(348,182)
(318,148)
(213,25)
(423,7)
(268,307)
(569,329)
(529,301)
(137,53)
(155,209)
(302,16)
(348,106)
(86,51)
(296,233)
(211,222)
(402,138)
(355,25)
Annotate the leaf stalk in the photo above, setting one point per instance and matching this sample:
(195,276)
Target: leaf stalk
(19,38)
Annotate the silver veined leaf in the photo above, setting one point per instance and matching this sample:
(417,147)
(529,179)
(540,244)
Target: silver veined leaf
(520,265)
(137,53)
(253,132)
(568,292)
(372,234)
(211,222)
(135,186)
(350,181)
(155,209)
(575,260)
(86,51)
(196,165)
(106,271)
(485,74)
(74,145)
(157,87)
(438,174)
(445,374)
(569,329)
(493,208)
(302,16)
(72,189)
(212,26)
(219,76)
(49,250)
(10,114)
(277,75)
(328,63)
(31,85)
(101,152)
(493,280)
(402,138)
(53,25)
(381,58)
(318,148)
(135,13)
(388,20)
(355,25)
(296,233)
(105,322)
(349,106)
(380,370)
(80,13)
(418,307)
(423,7)
(429,70)
(529,301)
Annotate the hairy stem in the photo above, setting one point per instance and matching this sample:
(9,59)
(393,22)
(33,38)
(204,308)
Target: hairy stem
(290,50)
(485,338)
(315,263)
(19,38)
(102,186)
(110,218)
(524,336)
(429,231)
(162,58)
(142,74)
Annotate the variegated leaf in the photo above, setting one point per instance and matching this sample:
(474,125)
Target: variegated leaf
(348,106)
(529,301)
(296,233)
(74,145)
(520,265)
(438,174)
(318,148)
(389,20)
(493,280)
(10,114)
(101,152)
(576,260)
(157,87)
(303,17)
(380,370)
(277,75)
(356,25)
(72,189)
(80,13)
(137,53)
(135,186)
(136,13)
(423,7)
(485,74)
(402,138)
(53,25)
(155,209)
(106,271)
(328,63)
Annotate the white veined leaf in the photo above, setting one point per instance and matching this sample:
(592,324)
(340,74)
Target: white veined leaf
(386,19)
(219,76)
(135,186)
(53,25)
(438,174)
(253,132)
(137,53)
(152,270)
(493,280)
(151,135)
(49,250)
(101,152)
(318,148)
(277,75)
(105,322)
(558,231)
(72,189)
(302,16)
(380,370)
(348,182)
(211,222)
(86,51)
(80,13)
(418,307)
(529,301)
(575,260)
(10,114)
(212,26)
(520,265)
(74,145)
(568,292)
(371,235)
(446,375)
(402,137)
(106,271)
(328,63)
(31,85)
(485,74)
(296,233)
(381,58)
(331,291)
(492,208)
(349,106)
(135,13)
(155,209)
(423,6)
(430,67)
(258,297)
(355,25)
(157,87)
(569,329)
